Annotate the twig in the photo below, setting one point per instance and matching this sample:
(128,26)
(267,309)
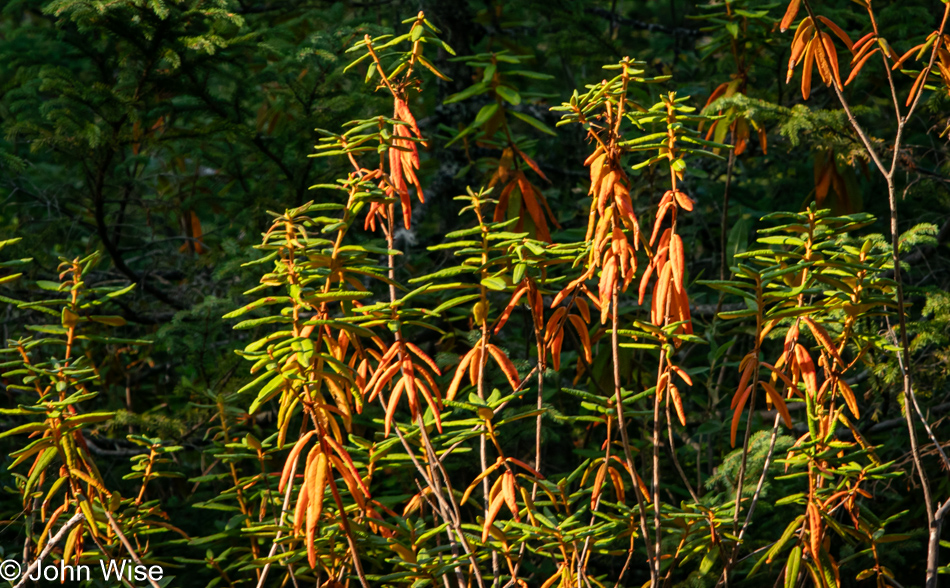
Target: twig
(933,544)
(444,510)
(723,238)
(283,514)
(127,545)
(72,522)
(895,248)
(621,424)
(758,488)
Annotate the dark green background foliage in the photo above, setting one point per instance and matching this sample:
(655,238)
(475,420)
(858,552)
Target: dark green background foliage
(161,133)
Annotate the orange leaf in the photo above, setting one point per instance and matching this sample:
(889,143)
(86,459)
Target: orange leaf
(719,91)
(395,171)
(393,402)
(778,401)
(917,87)
(680,311)
(422,355)
(386,377)
(478,479)
(800,42)
(684,201)
(292,459)
(606,286)
(661,384)
(790,14)
(493,510)
(747,369)
(741,129)
(503,198)
(349,462)
(606,188)
(627,215)
(317,484)
(677,260)
(506,366)
(660,295)
(403,113)
(849,398)
(532,164)
(525,466)
(832,55)
(737,414)
(823,183)
(823,338)
(822,58)
(807,69)
(617,481)
(556,349)
(557,576)
(196,233)
(807,368)
(837,31)
(581,327)
(779,373)
(598,484)
(518,293)
(856,48)
(300,511)
(460,373)
(906,56)
(509,493)
(594,156)
(644,282)
(860,64)
(682,374)
(554,324)
(528,197)
(814,529)
(678,403)
(435,406)
(584,309)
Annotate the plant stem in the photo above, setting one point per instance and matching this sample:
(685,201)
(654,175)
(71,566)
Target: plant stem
(724,237)
(622,425)
(72,522)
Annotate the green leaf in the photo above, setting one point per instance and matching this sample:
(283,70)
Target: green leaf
(509,95)
(267,392)
(455,302)
(533,122)
(493,283)
(27,428)
(485,114)
(473,90)
(112,321)
(257,304)
(792,566)
(251,323)
(38,469)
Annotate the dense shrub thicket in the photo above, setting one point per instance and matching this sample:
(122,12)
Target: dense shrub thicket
(505,293)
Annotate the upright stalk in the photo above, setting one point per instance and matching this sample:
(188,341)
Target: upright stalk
(889,175)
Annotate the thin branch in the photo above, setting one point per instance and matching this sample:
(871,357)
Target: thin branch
(127,545)
(72,522)
(280,530)
(761,484)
